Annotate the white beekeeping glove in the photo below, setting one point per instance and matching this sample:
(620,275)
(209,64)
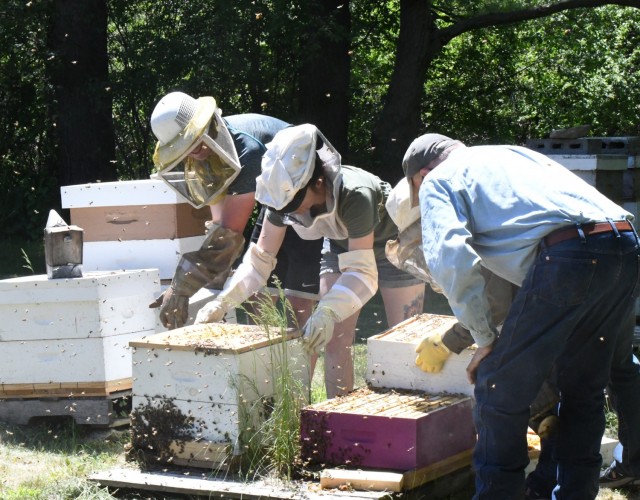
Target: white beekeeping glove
(249,278)
(357,284)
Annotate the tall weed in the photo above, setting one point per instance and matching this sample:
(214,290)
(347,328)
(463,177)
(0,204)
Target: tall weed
(273,444)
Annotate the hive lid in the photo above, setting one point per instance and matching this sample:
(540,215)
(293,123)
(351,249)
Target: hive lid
(416,328)
(216,338)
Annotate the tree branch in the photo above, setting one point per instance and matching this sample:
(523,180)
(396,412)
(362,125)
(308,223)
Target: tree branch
(504,18)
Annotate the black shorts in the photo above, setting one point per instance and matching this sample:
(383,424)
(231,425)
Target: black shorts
(298,267)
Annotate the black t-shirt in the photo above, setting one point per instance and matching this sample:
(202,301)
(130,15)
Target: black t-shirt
(250,133)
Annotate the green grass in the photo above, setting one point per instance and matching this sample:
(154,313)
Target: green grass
(273,447)
(21,258)
(52,459)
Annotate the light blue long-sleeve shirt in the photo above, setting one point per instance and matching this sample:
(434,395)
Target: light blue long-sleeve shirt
(490,206)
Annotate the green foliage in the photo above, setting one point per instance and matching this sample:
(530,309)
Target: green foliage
(375,29)
(242,53)
(519,82)
(27,262)
(15,255)
(52,458)
(493,85)
(27,180)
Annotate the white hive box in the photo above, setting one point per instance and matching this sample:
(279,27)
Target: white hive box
(210,382)
(72,335)
(134,224)
(391,358)
(607,173)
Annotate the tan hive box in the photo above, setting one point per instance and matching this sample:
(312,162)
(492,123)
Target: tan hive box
(391,358)
(202,384)
(134,224)
(71,336)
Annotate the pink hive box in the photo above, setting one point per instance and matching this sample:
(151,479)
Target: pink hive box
(389,429)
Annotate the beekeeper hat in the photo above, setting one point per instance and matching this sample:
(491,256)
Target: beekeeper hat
(177,121)
(399,207)
(287,165)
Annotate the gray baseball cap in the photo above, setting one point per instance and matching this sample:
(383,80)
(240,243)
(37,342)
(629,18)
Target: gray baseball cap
(423,151)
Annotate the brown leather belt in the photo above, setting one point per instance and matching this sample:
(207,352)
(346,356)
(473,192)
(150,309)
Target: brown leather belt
(570,232)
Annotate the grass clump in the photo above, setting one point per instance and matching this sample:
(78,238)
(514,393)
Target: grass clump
(270,437)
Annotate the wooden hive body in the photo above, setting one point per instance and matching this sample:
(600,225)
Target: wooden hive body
(391,358)
(212,378)
(72,335)
(134,224)
(388,429)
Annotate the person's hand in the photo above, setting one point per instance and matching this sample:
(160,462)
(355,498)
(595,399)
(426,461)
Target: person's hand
(211,312)
(432,354)
(318,331)
(174,308)
(472,368)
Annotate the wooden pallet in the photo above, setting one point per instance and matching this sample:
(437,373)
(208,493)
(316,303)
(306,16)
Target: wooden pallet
(94,411)
(64,389)
(193,483)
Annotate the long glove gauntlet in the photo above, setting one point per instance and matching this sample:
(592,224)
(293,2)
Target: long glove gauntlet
(210,264)
(357,284)
(250,277)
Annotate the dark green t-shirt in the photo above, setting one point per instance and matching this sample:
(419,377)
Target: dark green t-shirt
(361,200)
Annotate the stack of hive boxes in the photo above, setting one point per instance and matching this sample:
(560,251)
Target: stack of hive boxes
(64,343)
(201,390)
(406,419)
(139,224)
(610,164)
(134,225)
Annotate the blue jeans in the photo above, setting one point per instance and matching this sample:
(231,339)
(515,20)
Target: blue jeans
(568,313)
(623,388)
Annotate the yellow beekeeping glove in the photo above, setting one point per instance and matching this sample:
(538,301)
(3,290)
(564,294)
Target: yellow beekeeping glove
(432,354)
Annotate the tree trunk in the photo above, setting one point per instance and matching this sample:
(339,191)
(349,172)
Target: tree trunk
(419,43)
(324,80)
(79,73)
(399,119)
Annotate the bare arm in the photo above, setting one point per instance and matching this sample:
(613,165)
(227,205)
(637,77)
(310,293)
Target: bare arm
(233,211)
(271,237)
(364,243)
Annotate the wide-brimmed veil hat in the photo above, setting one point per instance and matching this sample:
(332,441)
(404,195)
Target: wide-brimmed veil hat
(289,163)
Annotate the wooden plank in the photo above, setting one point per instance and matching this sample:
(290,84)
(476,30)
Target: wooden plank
(66,389)
(88,360)
(202,454)
(105,194)
(196,484)
(362,480)
(591,162)
(215,338)
(378,480)
(413,479)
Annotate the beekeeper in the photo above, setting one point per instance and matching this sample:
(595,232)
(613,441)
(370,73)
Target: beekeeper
(305,187)
(405,252)
(214,161)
